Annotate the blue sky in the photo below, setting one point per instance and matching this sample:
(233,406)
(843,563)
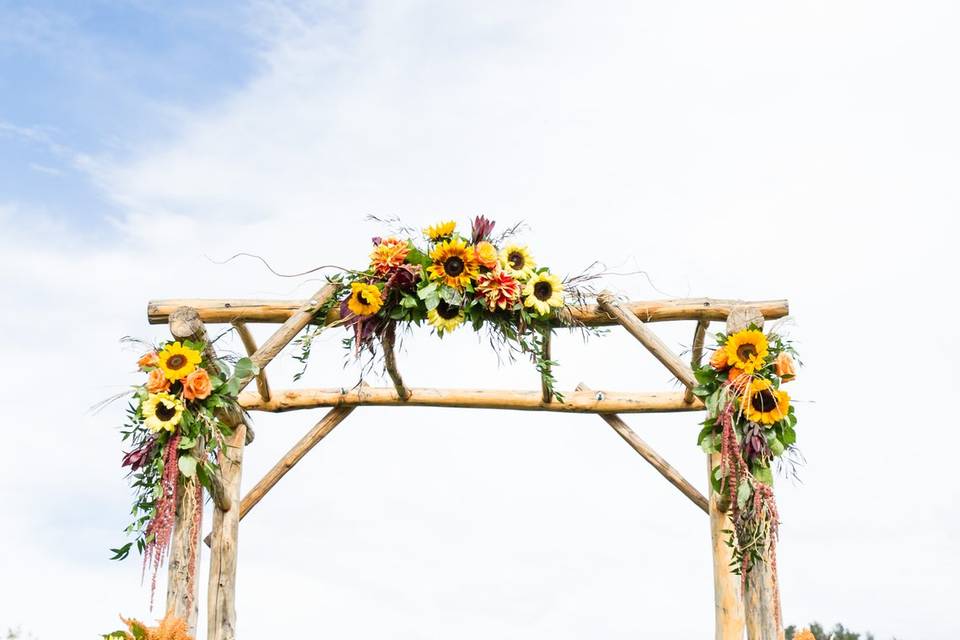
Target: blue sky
(103,78)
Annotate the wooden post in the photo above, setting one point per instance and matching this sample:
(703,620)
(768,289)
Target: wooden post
(545,355)
(221,587)
(727,595)
(696,352)
(250,344)
(762,599)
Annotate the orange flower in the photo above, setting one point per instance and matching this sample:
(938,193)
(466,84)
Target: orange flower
(157,382)
(785,367)
(719,359)
(735,374)
(388,255)
(150,359)
(487,255)
(197,386)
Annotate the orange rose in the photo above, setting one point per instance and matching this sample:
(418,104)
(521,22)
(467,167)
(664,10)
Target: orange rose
(196,386)
(486,254)
(149,360)
(734,374)
(785,368)
(157,382)
(719,359)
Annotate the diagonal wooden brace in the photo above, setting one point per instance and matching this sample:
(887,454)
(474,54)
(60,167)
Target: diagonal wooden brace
(647,338)
(250,344)
(655,459)
(320,430)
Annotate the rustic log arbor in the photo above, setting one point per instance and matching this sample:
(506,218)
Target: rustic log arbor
(757,615)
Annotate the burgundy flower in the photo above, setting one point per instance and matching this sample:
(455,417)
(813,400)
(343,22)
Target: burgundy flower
(482,228)
(404,278)
(138,457)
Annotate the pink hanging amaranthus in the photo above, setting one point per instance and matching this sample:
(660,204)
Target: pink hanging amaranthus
(160,530)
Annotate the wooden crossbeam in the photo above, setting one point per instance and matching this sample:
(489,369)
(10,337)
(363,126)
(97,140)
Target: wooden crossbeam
(573,402)
(250,344)
(292,457)
(655,459)
(276,311)
(632,323)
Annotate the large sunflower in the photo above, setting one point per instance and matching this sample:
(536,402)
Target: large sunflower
(442,231)
(178,361)
(763,403)
(454,263)
(516,261)
(747,350)
(365,299)
(162,411)
(445,317)
(542,291)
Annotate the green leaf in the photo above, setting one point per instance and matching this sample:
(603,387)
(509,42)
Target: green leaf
(789,435)
(121,553)
(187,443)
(245,368)
(702,391)
(763,474)
(451,296)
(743,494)
(187,465)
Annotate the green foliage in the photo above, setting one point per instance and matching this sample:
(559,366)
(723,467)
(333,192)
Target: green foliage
(838,632)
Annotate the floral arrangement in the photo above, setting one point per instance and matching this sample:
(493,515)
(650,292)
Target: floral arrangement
(750,423)
(173,434)
(448,279)
(170,628)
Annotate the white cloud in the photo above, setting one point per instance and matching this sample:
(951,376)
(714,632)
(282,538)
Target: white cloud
(817,140)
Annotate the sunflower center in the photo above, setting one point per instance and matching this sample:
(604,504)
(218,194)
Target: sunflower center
(453,266)
(543,290)
(177,361)
(165,412)
(763,401)
(362,299)
(447,311)
(516,260)
(746,351)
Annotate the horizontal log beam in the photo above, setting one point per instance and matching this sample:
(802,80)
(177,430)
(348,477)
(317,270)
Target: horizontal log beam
(573,402)
(276,311)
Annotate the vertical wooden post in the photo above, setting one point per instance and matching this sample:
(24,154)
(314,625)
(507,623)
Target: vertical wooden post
(727,595)
(762,599)
(221,589)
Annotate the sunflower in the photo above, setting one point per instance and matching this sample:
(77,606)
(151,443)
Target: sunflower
(543,290)
(442,231)
(445,317)
(365,299)
(763,403)
(178,361)
(747,350)
(516,261)
(388,255)
(162,411)
(454,263)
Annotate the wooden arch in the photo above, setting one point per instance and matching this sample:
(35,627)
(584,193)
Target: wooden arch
(188,318)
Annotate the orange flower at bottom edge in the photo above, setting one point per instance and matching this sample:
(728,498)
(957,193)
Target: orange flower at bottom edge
(806,634)
(734,375)
(197,385)
(157,382)
(785,367)
(150,359)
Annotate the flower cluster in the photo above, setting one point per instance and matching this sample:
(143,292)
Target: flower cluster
(173,433)
(169,628)
(454,278)
(447,279)
(750,423)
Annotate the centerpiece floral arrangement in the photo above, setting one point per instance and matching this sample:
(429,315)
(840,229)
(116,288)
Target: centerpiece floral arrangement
(448,279)
(751,424)
(174,433)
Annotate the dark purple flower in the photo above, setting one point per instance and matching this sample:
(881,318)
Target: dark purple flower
(377,240)
(404,278)
(482,228)
(138,457)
